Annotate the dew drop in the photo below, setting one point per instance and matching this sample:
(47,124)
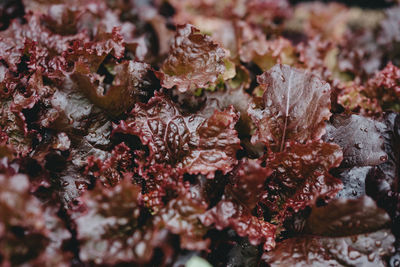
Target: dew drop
(385,234)
(359,145)
(122,221)
(140,249)
(353,254)
(268,102)
(354,192)
(378,243)
(371,257)
(65,184)
(383,158)
(283,78)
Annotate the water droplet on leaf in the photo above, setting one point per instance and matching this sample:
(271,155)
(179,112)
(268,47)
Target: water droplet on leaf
(359,145)
(353,254)
(371,257)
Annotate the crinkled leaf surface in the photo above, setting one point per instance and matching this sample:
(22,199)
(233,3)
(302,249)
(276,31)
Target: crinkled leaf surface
(384,87)
(28,229)
(253,46)
(76,193)
(353,97)
(235,208)
(111,231)
(124,91)
(194,60)
(196,143)
(301,177)
(114,168)
(181,216)
(295,106)
(247,182)
(229,213)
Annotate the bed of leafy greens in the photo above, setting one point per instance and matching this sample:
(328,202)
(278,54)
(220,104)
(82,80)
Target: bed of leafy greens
(199,133)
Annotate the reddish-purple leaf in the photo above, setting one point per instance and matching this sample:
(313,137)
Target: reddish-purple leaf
(301,177)
(196,143)
(294,108)
(194,61)
(360,139)
(346,232)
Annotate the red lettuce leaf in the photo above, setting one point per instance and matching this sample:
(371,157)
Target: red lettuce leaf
(161,183)
(313,55)
(301,177)
(112,170)
(94,52)
(239,99)
(254,47)
(294,108)
(123,92)
(346,232)
(319,18)
(385,88)
(194,61)
(175,204)
(30,233)
(229,213)
(247,182)
(111,230)
(353,180)
(382,181)
(266,14)
(34,46)
(196,143)
(354,97)
(364,60)
(88,130)
(359,137)
(181,216)
(16,104)
(235,208)
(71,71)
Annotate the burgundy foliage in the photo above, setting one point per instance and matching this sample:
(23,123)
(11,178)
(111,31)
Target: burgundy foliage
(169,133)
(294,107)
